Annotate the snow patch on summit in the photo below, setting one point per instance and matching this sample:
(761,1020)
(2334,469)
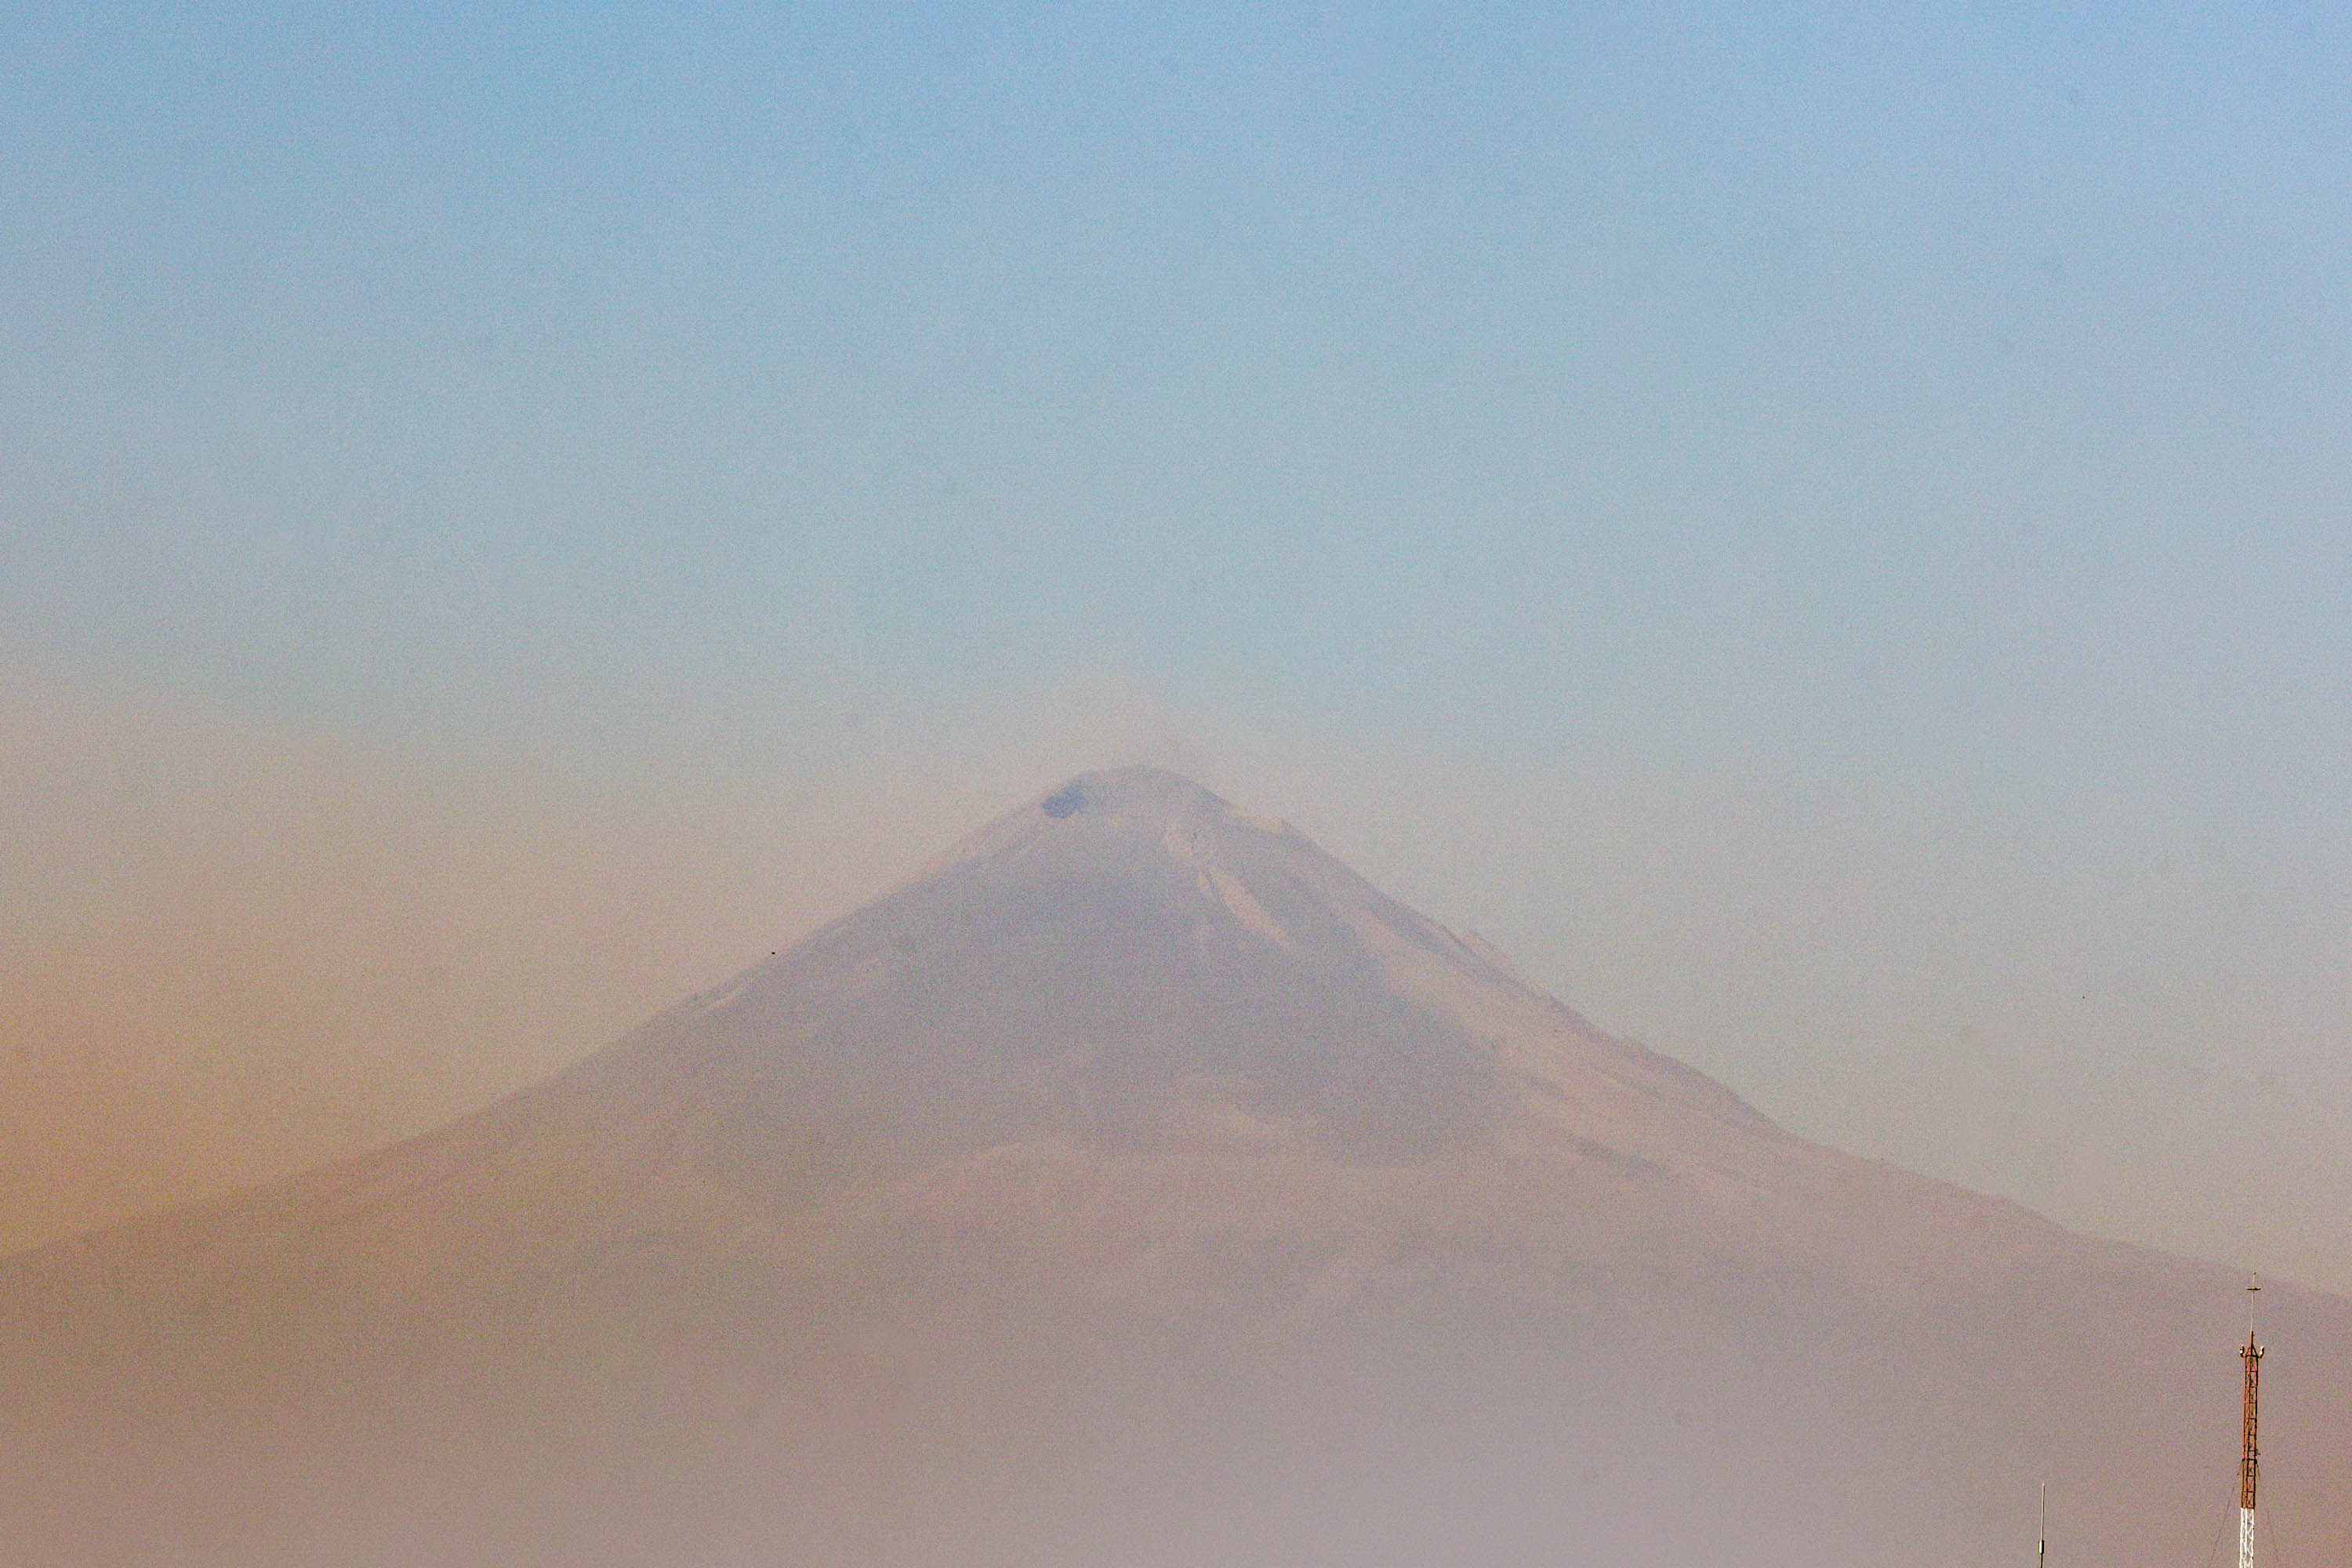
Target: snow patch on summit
(1183,842)
(1243,905)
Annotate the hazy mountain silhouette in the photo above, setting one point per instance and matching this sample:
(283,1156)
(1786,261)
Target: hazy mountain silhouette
(1136,1185)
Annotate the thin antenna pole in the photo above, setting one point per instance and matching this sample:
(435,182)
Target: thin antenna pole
(2250,1452)
(2041,1547)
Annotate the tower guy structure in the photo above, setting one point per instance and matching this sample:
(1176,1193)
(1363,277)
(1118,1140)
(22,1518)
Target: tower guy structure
(2250,1451)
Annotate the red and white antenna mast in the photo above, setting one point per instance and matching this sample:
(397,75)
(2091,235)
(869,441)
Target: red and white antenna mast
(2249,1454)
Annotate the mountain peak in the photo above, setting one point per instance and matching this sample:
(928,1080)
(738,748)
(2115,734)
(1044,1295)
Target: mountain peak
(1147,798)
(1131,789)
(1136,805)
(1128,948)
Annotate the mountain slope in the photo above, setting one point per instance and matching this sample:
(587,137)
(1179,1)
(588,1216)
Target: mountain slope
(1136,1185)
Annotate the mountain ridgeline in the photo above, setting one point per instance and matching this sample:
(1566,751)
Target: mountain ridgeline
(1134,1185)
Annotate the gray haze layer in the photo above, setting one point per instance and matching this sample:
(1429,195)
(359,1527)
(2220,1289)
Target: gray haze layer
(1134,1185)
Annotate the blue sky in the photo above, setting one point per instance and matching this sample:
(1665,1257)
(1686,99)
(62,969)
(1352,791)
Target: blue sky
(1937,412)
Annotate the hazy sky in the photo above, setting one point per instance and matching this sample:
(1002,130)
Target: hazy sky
(1824,531)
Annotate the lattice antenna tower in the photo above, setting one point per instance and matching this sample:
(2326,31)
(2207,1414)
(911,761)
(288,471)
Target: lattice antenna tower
(2249,1450)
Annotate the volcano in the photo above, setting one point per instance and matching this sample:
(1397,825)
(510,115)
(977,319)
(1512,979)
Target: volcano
(1136,1185)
